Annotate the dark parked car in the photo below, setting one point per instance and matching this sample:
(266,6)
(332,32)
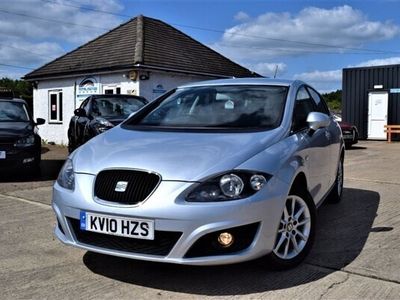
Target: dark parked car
(20,144)
(99,113)
(349,131)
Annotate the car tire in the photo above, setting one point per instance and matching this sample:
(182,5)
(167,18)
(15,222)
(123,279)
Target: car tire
(296,232)
(335,195)
(355,135)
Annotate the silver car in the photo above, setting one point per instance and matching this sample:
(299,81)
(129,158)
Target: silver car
(216,172)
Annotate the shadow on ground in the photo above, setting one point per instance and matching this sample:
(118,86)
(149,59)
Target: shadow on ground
(354,147)
(342,231)
(49,170)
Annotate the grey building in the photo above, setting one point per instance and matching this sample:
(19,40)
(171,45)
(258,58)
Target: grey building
(371,99)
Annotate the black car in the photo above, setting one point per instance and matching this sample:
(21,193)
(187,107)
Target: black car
(20,144)
(99,113)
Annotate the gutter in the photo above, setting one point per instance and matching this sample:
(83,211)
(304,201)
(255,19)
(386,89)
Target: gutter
(126,69)
(144,66)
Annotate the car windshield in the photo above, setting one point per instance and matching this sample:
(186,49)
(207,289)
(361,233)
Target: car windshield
(233,106)
(13,112)
(117,107)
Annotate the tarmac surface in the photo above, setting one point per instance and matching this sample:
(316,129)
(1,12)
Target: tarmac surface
(356,254)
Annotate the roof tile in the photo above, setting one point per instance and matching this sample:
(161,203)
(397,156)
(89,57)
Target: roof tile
(142,41)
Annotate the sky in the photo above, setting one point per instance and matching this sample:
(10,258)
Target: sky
(291,39)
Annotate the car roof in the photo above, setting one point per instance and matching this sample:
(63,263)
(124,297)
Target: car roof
(13,100)
(243,81)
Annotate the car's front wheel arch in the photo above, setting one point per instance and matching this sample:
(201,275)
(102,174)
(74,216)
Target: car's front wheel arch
(290,232)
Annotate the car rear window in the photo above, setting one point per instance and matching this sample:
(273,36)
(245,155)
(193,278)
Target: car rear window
(116,107)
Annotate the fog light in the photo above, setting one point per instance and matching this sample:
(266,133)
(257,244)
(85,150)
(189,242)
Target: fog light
(225,239)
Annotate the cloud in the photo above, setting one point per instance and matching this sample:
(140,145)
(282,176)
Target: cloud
(26,53)
(241,16)
(268,69)
(11,73)
(27,39)
(323,81)
(327,81)
(16,23)
(320,76)
(309,31)
(379,62)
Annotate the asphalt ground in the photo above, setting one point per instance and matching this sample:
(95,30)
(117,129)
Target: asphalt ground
(356,254)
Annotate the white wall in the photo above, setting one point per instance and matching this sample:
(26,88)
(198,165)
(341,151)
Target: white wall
(150,89)
(54,132)
(168,80)
(122,80)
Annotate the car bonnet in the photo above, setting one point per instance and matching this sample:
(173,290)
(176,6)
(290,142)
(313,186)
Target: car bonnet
(15,129)
(181,156)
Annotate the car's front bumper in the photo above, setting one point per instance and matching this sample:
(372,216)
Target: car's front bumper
(16,158)
(172,214)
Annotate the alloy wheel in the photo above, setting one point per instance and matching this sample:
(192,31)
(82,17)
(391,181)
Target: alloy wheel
(294,228)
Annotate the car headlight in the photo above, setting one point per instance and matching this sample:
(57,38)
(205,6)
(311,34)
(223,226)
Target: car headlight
(25,141)
(231,186)
(66,177)
(100,124)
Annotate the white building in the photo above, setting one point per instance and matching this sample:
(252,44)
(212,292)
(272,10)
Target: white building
(143,56)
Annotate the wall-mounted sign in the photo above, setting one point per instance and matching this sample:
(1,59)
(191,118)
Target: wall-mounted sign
(85,88)
(395,91)
(159,89)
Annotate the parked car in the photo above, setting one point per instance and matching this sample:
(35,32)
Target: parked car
(349,131)
(20,143)
(99,113)
(215,172)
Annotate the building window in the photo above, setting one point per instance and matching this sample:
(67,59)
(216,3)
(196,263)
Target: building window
(55,106)
(111,89)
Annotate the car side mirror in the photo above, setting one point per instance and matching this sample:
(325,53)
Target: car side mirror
(317,120)
(80,112)
(40,121)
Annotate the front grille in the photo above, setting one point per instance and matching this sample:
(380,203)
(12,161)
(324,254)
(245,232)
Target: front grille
(140,185)
(161,245)
(9,141)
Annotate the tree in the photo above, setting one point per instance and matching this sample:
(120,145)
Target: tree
(22,89)
(334,100)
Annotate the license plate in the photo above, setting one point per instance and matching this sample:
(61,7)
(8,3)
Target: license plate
(121,226)
(348,136)
(2,154)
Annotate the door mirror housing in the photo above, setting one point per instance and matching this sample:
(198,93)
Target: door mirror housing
(40,121)
(80,112)
(317,120)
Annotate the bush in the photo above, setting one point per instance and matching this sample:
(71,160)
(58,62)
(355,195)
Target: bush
(334,100)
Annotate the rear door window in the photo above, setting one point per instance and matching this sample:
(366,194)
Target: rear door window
(304,104)
(319,102)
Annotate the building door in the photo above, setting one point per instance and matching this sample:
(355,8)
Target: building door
(377,115)
(111,89)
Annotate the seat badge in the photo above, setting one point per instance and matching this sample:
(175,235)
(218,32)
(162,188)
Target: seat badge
(121,186)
